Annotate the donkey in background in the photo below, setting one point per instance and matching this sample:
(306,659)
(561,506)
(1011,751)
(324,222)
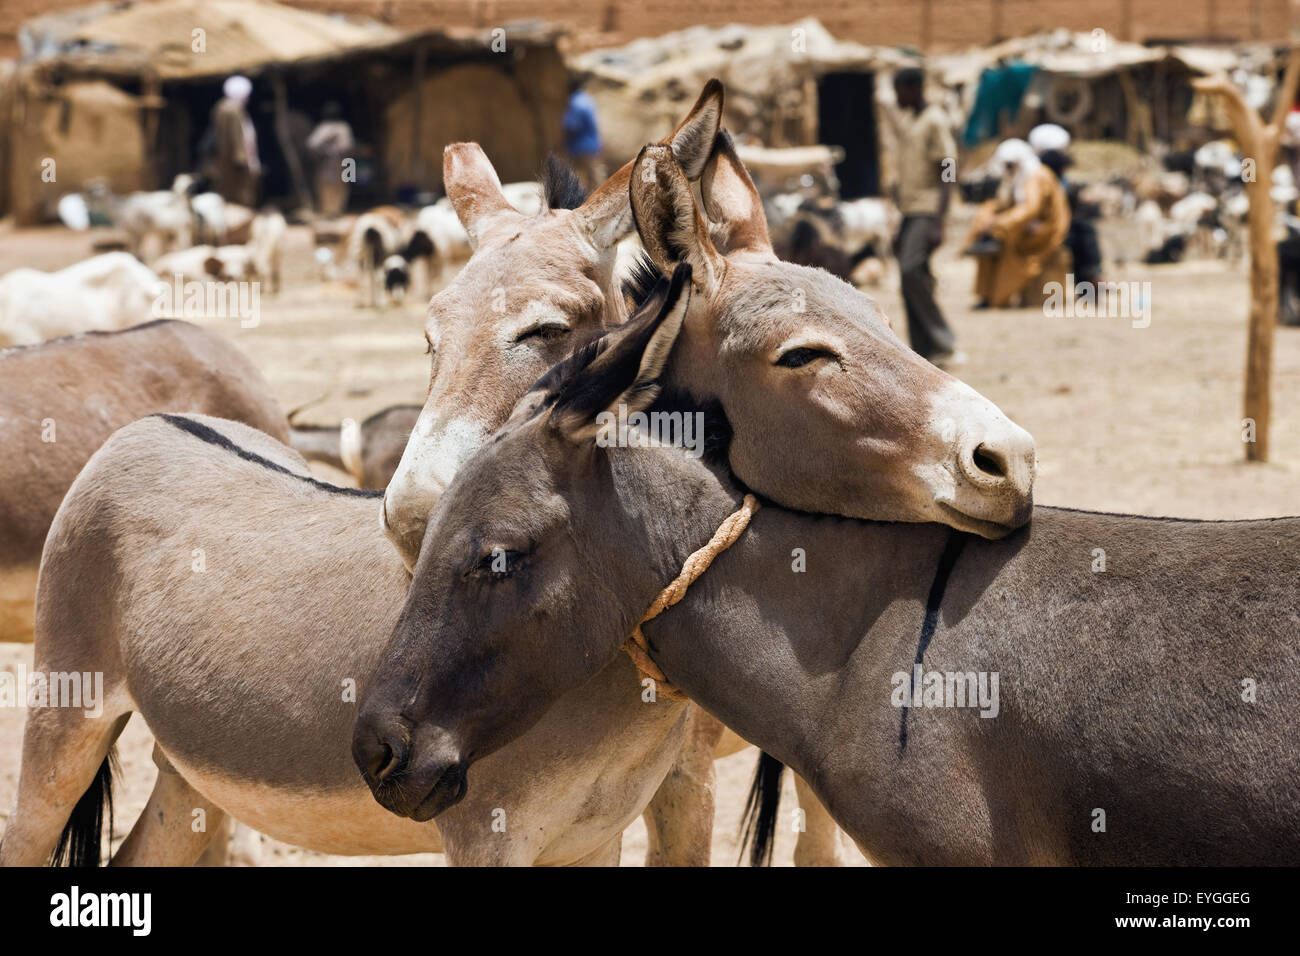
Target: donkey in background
(63,398)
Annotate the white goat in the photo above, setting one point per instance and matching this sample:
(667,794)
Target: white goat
(104,293)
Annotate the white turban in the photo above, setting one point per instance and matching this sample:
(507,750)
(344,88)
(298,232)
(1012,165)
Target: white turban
(1049,136)
(238,88)
(1017,153)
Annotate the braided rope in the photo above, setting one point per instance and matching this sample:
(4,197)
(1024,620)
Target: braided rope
(636,646)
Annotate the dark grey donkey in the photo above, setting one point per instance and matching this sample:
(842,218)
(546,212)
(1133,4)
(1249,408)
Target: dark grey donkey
(1091,689)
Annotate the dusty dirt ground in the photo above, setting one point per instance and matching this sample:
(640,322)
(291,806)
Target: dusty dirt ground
(1143,420)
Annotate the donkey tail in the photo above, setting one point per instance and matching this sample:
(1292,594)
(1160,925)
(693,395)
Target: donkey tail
(758,823)
(79,843)
(350,442)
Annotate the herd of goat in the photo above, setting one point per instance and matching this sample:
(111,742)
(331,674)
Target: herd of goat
(1195,207)
(197,235)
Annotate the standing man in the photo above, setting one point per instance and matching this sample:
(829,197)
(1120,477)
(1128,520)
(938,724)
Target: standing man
(926,170)
(582,136)
(238,166)
(329,144)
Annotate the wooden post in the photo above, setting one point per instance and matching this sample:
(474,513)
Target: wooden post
(1259,143)
(286,142)
(151,103)
(417,119)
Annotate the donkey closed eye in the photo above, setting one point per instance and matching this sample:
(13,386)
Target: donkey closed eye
(805,355)
(543,333)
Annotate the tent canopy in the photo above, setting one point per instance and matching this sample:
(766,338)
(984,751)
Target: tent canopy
(162,38)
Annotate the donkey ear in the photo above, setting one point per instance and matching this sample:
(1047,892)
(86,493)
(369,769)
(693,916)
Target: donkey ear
(473,187)
(626,373)
(692,140)
(671,227)
(731,202)
(605,215)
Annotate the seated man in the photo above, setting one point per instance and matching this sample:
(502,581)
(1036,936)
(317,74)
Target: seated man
(1018,236)
(1052,144)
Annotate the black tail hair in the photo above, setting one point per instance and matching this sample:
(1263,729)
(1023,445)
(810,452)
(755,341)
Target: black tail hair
(758,823)
(79,843)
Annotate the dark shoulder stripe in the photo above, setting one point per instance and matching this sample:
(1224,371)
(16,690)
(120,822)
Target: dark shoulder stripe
(947,560)
(213,437)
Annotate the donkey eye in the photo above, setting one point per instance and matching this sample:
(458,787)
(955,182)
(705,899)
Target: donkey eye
(798,358)
(546,333)
(499,564)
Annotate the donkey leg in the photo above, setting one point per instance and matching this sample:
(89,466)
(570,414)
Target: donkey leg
(607,855)
(679,819)
(175,827)
(233,844)
(819,843)
(220,850)
(63,751)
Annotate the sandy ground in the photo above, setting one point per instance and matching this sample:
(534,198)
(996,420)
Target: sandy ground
(1144,420)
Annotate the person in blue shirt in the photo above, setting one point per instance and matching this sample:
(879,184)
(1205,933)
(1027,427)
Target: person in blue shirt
(582,136)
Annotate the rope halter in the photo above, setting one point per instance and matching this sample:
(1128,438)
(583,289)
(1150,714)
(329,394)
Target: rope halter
(636,646)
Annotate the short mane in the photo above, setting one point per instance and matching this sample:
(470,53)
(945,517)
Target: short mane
(560,185)
(642,280)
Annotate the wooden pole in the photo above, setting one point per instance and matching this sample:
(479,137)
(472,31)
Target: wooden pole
(286,142)
(1259,143)
(417,120)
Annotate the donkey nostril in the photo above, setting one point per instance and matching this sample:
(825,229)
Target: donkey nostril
(990,461)
(384,762)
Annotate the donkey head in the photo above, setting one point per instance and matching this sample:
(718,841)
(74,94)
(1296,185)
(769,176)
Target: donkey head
(533,289)
(521,592)
(831,412)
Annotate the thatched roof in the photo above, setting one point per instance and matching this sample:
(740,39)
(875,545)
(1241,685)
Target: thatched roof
(1089,55)
(643,87)
(752,60)
(1056,51)
(157,37)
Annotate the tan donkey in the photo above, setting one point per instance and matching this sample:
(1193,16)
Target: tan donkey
(61,399)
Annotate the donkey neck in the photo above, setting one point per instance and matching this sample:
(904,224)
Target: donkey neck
(760,639)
